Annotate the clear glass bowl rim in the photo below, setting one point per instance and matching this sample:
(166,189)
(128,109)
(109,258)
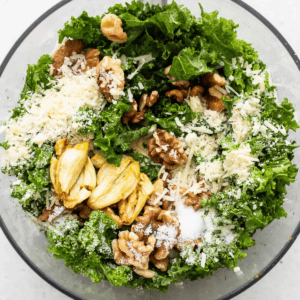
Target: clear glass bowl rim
(61,288)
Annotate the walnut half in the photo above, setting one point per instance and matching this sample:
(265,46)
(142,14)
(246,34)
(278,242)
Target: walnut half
(111,27)
(129,250)
(164,148)
(64,51)
(133,116)
(110,78)
(158,220)
(148,101)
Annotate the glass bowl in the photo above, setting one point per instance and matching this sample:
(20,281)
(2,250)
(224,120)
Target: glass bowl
(271,243)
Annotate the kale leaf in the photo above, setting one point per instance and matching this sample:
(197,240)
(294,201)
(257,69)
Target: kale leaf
(168,114)
(112,136)
(87,249)
(147,165)
(84,28)
(189,64)
(33,182)
(37,80)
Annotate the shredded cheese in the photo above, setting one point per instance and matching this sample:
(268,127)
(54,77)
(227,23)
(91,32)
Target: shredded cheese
(239,162)
(50,116)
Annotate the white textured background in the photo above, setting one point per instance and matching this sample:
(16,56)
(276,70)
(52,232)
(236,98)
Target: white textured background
(18,281)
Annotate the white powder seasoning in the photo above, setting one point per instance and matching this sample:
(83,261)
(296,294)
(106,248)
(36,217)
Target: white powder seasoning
(192,225)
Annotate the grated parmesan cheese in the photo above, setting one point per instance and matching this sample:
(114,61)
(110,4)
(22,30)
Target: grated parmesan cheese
(203,260)
(243,109)
(215,119)
(205,145)
(50,116)
(212,173)
(141,60)
(239,162)
(272,127)
(195,104)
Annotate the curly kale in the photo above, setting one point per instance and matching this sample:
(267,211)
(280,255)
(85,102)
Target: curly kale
(87,249)
(33,182)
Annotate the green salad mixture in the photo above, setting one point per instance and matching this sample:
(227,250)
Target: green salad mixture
(237,159)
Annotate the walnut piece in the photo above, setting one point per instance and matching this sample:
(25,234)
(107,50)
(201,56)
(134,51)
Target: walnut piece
(197,90)
(215,92)
(212,79)
(64,51)
(92,59)
(129,250)
(166,220)
(133,116)
(214,98)
(159,220)
(46,213)
(111,27)
(166,149)
(160,264)
(185,93)
(148,101)
(177,94)
(110,78)
(168,205)
(191,199)
(85,212)
(149,217)
(181,84)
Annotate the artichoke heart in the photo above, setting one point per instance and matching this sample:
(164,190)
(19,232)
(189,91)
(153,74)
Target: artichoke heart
(122,185)
(81,190)
(78,196)
(88,176)
(132,206)
(70,165)
(108,174)
(98,160)
(61,146)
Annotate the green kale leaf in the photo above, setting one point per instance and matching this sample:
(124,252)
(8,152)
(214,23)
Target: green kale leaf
(221,34)
(37,80)
(166,111)
(38,77)
(147,165)
(33,182)
(87,249)
(84,28)
(189,64)
(283,114)
(112,136)
(97,234)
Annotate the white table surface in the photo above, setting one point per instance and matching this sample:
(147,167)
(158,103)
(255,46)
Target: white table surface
(18,281)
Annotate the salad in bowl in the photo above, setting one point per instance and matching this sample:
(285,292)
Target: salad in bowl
(150,146)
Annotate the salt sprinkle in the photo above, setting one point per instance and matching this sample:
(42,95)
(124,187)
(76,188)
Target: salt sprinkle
(192,225)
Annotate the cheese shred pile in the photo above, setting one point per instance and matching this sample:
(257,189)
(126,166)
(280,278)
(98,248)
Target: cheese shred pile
(50,116)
